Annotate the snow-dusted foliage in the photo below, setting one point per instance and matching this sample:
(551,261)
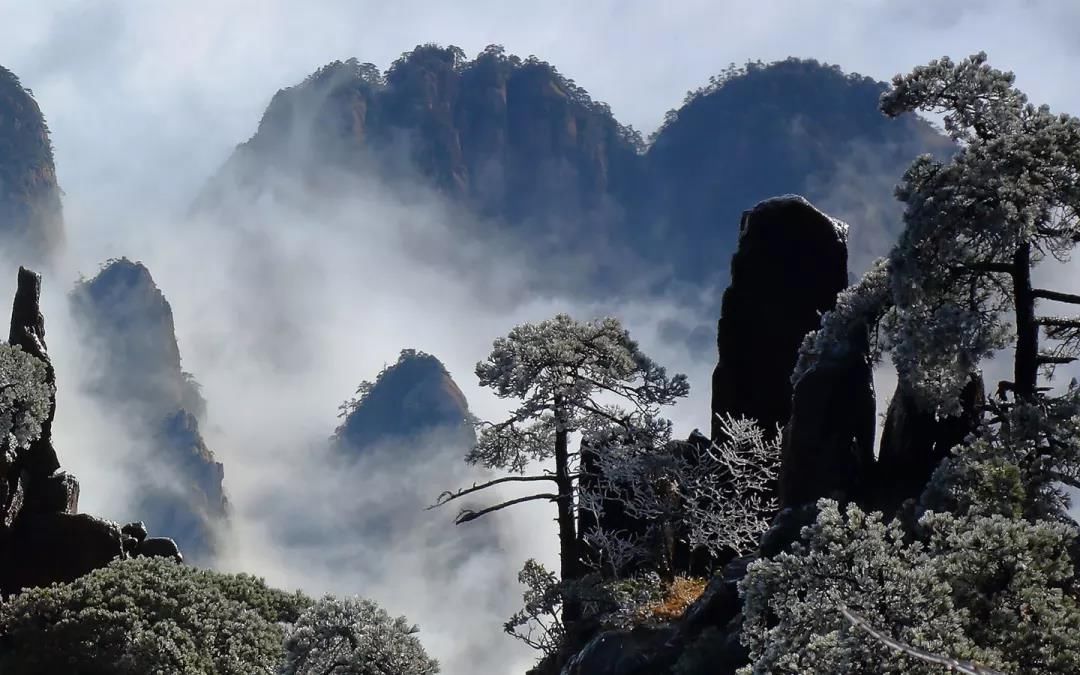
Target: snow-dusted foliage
(976,224)
(951,664)
(24,397)
(587,379)
(980,574)
(561,369)
(354,636)
(985,589)
(147,615)
(612,603)
(1019,466)
(717,496)
(858,307)
(538,624)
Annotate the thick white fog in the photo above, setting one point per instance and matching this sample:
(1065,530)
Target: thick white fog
(279,317)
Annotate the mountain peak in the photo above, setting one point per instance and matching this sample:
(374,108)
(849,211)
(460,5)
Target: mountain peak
(31,221)
(410,398)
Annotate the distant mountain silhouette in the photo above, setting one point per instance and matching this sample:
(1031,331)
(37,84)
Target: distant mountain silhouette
(128,325)
(791,127)
(413,399)
(515,141)
(403,433)
(31,219)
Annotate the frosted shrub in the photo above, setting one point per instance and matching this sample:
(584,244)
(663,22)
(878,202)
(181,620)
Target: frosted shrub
(353,636)
(147,615)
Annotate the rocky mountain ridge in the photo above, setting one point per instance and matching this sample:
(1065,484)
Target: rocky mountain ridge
(528,151)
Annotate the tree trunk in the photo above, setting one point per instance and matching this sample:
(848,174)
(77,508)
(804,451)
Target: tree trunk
(568,550)
(1026,364)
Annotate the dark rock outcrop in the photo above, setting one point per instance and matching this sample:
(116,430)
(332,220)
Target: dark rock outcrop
(31,221)
(636,651)
(915,440)
(160,547)
(789,267)
(655,649)
(786,528)
(55,493)
(828,442)
(128,325)
(43,538)
(44,548)
(28,332)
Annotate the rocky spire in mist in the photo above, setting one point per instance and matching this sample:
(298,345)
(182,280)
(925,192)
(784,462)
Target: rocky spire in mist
(127,324)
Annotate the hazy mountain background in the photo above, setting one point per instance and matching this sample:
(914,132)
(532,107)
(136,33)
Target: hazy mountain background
(297,265)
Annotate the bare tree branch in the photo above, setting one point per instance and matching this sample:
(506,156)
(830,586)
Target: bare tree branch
(1056,295)
(448,496)
(467,515)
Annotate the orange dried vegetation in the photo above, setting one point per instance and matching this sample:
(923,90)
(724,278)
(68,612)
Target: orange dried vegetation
(680,594)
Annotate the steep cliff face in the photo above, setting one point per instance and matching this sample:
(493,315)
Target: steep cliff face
(130,323)
(128,326)
(412,399)
(31,222)
(510,138)
(514,140)
(790,264)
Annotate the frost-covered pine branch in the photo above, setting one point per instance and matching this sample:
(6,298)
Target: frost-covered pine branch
(718,497)
(951,664)
(975,227)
